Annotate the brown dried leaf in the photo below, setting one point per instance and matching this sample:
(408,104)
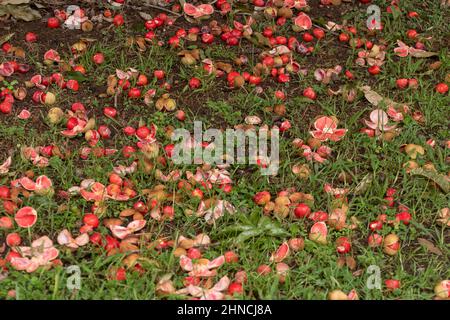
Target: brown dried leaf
(128,212)
(430,246)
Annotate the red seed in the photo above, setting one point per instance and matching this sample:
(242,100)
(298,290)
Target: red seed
(318,33)
(195,83)
(142,80)
(159,74)
(194,253)
(374,70)
(231,257)
(263,269)
(91,220)
(309,93)
(5,193)
(401,83)
(110,112)
(143,132)
(235,288)
(98,58)
(134,93)
(302,210)
(307,37)
(118,20)
(13,239)
(31,37)
(411,34)
(442,88)
(343,37)
(53,22)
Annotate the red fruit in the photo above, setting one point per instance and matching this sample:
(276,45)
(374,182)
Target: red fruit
(194,253)
(129,131)
(5,193)
(127,151)
(121,274)
(72,85)
(207,38)
(267,32)
(348,74)
(159,74)
(374,70)
(12,254)
(392,284)
(169,149)
(6,222)
(6,47)
(98,58)
(280,95)
(413,83)
(309,93)
(110,112)
(442,88)
(401,83)
(343,245)
(281,40)
(197,193)
(91,220)
(104,132)
(319,216)
(390,192)
(255,80)
(142,80)
(307,37)
(389,200)
(124,84)
(111,243)
(263,269)
(180,115)
(285,125)
(114,178)
(302,210)
(231,257)
(140,207)
(143,132)
(13,239)
(150,35)
(31,37)
(376,225)
(343,37)
(411,34)
(283,78)
(26,217)
(375,240)
(235,288)
(169,211)
(195,83)
(134,93)
(318,33)
(118,20)
(96,238)
(404,217)
(9,206)
(232,41)
(53,22)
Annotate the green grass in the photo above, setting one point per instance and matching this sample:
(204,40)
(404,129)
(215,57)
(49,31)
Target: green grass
(313,271)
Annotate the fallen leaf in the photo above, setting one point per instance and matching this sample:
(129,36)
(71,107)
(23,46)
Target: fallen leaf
(430,246)
(441,180)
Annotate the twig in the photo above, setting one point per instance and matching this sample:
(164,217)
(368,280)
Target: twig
(155,7)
